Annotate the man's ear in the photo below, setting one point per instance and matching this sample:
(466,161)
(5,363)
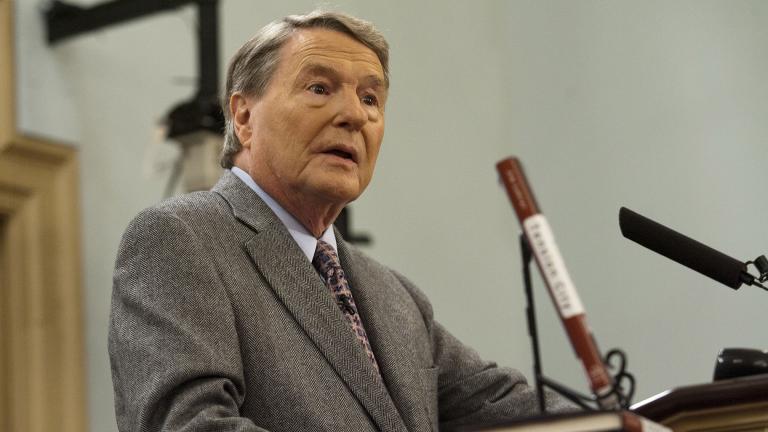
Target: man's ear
(240,113)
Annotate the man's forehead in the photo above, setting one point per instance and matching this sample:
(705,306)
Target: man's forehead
(308,48)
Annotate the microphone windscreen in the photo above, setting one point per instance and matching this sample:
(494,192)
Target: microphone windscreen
(682,249)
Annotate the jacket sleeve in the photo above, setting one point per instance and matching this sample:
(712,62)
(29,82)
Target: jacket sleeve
(473,391)
(173,347)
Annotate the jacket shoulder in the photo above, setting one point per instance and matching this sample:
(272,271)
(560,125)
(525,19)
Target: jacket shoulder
(195,215)
(187,208)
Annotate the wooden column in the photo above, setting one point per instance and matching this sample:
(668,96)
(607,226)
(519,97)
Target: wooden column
(42,384)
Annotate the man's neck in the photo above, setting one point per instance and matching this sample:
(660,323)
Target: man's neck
(315,217)
(306,241)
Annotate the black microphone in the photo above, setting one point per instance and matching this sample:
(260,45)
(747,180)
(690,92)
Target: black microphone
(684,250)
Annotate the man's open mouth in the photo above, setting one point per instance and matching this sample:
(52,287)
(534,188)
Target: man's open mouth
(342,154)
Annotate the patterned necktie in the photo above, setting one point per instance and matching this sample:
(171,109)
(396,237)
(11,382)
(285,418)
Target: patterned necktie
(327,264)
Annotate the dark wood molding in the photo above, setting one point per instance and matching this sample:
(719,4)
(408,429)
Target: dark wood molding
(716,395)
(7,108)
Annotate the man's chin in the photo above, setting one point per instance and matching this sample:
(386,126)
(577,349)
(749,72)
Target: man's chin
(338,193)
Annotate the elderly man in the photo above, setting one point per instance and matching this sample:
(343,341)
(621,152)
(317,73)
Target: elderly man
(241,309)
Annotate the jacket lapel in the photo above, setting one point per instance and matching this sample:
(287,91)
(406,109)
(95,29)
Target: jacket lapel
(298,286)
(380,306)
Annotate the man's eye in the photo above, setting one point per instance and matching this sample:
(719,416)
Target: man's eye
(370,100)
(318,89)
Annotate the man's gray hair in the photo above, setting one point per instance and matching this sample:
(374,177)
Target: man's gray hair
(254,64)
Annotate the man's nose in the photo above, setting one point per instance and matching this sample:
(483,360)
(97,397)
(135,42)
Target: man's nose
(351,113)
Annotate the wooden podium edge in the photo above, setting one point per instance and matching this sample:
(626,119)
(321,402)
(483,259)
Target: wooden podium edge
(744,417)
(744,391)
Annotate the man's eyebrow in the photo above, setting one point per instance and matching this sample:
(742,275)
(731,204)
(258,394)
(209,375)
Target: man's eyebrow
(375,81)
(372,80)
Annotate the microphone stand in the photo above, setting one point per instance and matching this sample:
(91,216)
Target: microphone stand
(761,264)
(541,381)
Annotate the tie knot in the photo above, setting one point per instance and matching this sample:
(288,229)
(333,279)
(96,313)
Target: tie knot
(325,259)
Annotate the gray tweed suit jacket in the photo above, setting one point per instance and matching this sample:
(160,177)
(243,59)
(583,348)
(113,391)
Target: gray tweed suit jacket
(220,323)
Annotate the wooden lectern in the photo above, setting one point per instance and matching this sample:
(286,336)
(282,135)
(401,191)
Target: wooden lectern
(739,404)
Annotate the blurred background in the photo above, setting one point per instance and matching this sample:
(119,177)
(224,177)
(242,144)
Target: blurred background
(655,105)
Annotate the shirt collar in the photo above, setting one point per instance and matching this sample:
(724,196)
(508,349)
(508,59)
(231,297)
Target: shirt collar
(306,241)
